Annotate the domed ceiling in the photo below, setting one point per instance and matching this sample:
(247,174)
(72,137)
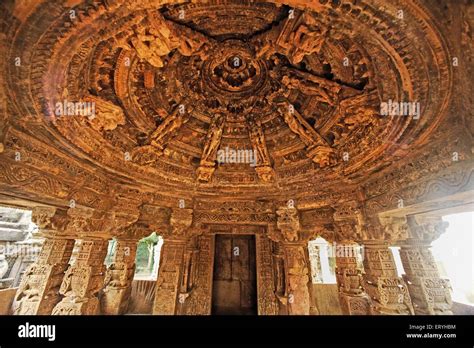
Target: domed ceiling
(174,84)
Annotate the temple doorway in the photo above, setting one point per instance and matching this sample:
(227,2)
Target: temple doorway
(234,283)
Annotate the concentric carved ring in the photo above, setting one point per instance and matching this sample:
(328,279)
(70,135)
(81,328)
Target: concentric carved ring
(234,71)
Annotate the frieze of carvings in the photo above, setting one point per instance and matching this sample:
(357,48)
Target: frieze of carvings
(87,220)
(33,181)
(458,179)
(38,289)
(234,207)
(62,177)
(202,217)
(436,159)
(83,280)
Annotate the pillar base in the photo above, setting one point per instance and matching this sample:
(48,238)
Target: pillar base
(115,301)
(355,304)
(77,306)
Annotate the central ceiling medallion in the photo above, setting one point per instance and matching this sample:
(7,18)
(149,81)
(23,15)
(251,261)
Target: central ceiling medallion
(234,71)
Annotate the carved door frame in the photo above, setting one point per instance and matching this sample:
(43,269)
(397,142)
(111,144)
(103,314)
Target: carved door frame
(266,300)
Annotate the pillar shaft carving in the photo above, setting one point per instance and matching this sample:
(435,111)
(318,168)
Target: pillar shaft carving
(352,295)
(38,290)
(297,278)
(429,292)
(348,221)
(292,256)
(388,292)
(119,277)
(83,280)
(169,275)
(173,265)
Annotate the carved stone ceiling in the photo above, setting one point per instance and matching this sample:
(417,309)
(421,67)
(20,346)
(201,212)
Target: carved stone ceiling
(174,83)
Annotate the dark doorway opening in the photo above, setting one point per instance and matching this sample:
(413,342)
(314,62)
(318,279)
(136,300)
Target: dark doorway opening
(234,290)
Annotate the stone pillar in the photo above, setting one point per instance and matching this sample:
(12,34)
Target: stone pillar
(316,263)
(294,249)
(429,292)
(348,222)
(169,275)
(172,263)
(38,290)
(119,277)
(388,292)
(352,296)
(83,280)
(297,276)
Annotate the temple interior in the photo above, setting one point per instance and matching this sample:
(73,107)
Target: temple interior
(285,157)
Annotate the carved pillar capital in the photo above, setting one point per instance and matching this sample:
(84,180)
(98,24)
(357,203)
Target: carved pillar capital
(51,221)
(347,221)
(151,218)
(288,224)
(91,223)
(181,219)
(395,228)
(426,229)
